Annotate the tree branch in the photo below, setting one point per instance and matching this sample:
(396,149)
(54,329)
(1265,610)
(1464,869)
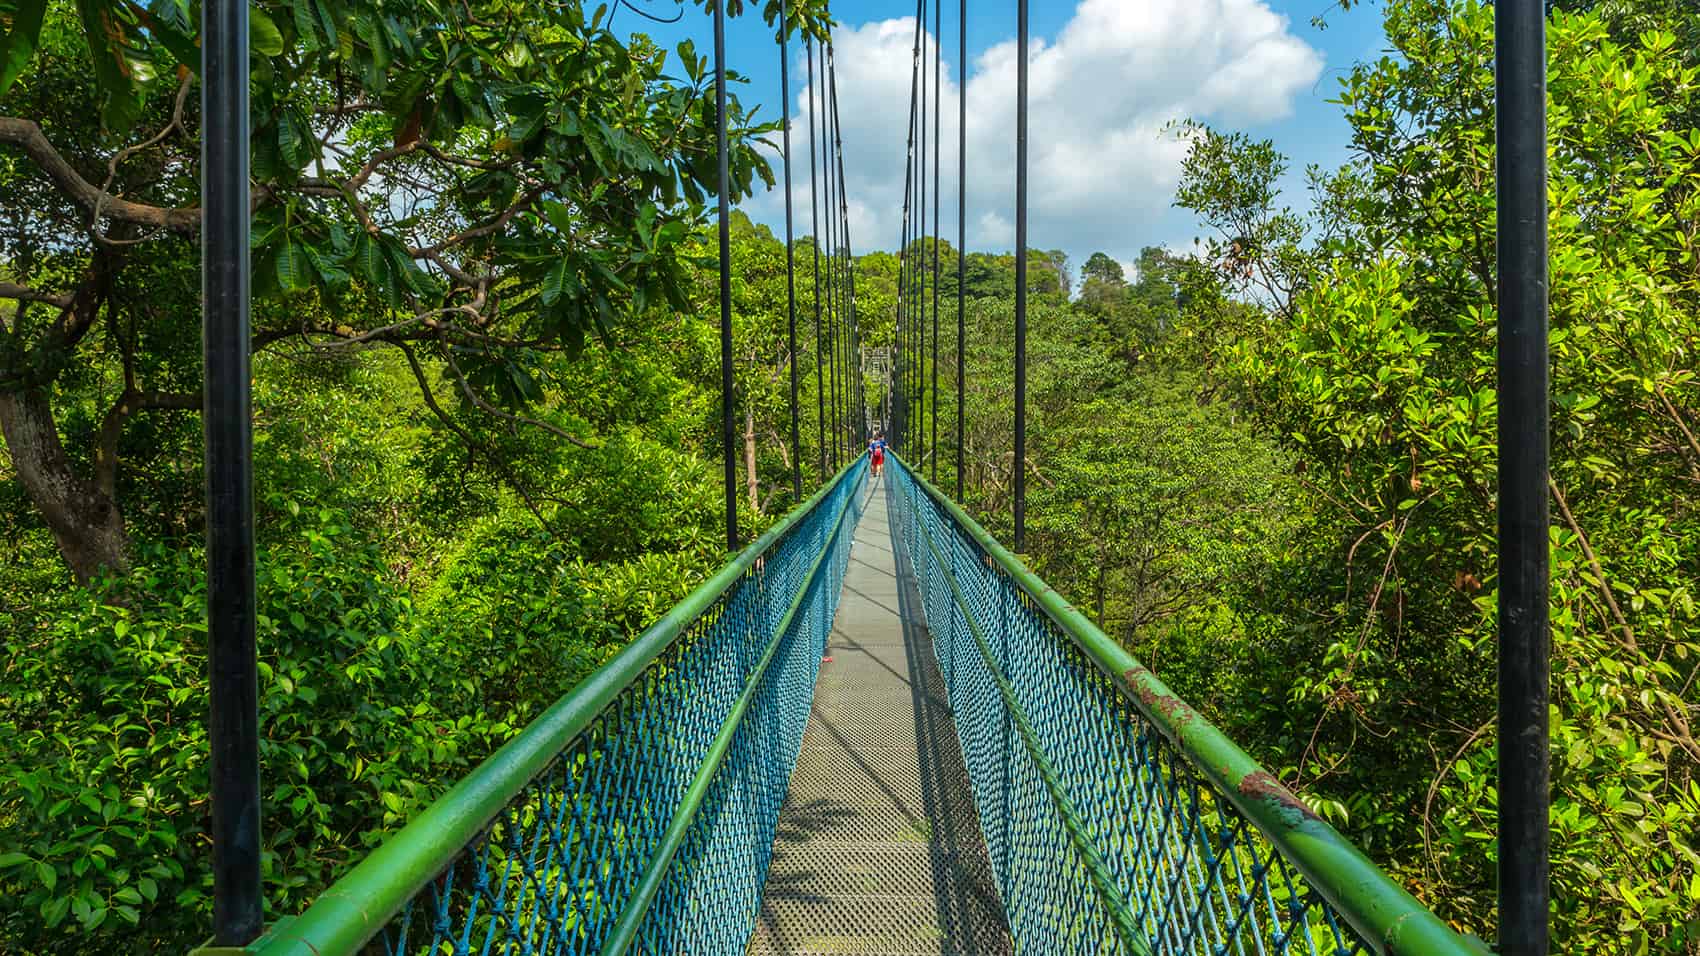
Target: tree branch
(472,444)
(484,406)
(10,290)
(128,404)
(26,135)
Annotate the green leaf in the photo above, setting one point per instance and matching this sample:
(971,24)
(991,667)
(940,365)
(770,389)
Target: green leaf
(264,38)
(173,25)
(45,873)
(327,20)
(554,282)
(54,910)
(306,29)
(294,147)
(21,21)
(369,262)
(293,267)
(405,268)
(13,859)
(332,275)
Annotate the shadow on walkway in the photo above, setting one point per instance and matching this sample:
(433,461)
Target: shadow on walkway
(879,848)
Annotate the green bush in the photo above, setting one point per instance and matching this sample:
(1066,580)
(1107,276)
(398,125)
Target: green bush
(521,610)
(103,775)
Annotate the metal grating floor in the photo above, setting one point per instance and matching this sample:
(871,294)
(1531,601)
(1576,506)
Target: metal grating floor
(879,848)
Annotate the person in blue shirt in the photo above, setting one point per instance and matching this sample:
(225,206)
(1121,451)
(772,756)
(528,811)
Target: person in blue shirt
(876,453)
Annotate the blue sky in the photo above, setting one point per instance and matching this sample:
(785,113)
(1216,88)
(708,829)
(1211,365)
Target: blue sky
(1108,77)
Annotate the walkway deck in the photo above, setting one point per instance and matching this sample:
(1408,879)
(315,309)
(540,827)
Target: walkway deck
(879,848)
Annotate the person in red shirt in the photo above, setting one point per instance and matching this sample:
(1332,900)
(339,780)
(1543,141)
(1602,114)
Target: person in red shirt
(876,453)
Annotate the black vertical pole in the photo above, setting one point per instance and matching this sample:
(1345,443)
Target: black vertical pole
(921,266)
(790,259)
(840,325)
(910,245)
(897,356)
(961,237)
(233,729)
(1020,464)
(938,151)
(905,286)
(901,382)
(1520,111)
(904,319)
(831,346)
(847,285)
(814,220)
(912,198)
(833,315)
(727,410)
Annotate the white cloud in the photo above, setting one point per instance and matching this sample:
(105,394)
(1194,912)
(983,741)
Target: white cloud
(1103,94)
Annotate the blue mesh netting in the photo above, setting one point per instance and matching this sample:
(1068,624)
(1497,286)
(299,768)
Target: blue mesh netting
(554,871)
(1190,874)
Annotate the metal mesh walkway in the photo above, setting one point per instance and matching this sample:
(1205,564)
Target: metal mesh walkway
(878,848)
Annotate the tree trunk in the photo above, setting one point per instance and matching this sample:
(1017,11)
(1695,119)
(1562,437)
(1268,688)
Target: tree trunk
(750,480)
(85,521)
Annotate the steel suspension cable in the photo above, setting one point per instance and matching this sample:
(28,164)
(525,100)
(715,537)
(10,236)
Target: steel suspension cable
(835,269)
(921,271)
(900,339)
(727,409)
(790,259)
(831,296)
(814,241)
(847,285)
(917,242)
(938,150)
(840,327)
(1020,465)
(906,289)
(961,236)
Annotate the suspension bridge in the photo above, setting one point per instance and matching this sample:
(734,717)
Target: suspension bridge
(874,730)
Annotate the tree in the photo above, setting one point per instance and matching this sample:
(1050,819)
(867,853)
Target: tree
(474,185)
(1102,268)
(1230,180)
(1156,504)
(1133,319)
(1380,370)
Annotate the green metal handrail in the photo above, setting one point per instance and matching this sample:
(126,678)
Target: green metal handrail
(352,911)
(1379,910)
(637,908)
(1103,885)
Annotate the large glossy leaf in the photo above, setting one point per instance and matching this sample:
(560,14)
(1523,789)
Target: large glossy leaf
(294,269)
(554,282)
(172,23)
(21,22)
